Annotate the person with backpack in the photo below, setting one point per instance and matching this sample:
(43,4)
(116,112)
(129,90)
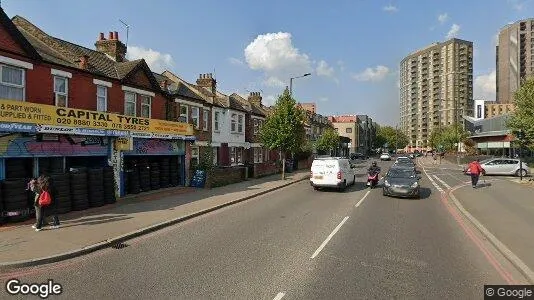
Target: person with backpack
(475,169)
(46,204)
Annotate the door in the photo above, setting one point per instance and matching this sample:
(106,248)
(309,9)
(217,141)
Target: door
(510,166)
(491,167)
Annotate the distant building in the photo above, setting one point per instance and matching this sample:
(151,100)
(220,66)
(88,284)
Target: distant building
(311,107)
(360,129)
(498,109)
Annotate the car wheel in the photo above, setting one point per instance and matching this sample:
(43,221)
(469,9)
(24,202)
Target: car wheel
(315,188)
(521,172)
(343,186)
(354,180)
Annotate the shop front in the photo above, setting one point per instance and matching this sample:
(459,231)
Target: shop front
(85,152)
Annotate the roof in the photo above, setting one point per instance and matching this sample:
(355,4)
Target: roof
(176,86)
(12,30)
(239,103)
(64,53)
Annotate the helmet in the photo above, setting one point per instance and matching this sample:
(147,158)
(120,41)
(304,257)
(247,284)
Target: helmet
(374,163)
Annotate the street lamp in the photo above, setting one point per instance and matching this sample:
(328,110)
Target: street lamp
(291,82)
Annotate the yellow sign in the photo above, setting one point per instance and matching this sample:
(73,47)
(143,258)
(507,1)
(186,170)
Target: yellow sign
(41,114)
(124,144)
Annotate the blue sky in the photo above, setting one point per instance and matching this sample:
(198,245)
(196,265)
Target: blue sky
(352,48)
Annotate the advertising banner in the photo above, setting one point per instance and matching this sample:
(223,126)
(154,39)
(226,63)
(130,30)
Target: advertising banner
(60,118)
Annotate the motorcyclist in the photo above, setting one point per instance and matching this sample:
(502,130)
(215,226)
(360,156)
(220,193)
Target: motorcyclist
(373,169)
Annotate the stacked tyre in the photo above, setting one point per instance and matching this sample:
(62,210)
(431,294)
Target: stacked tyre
(17,168)
(16,200)
(144,177)
(174,174)
(133,182)
(109,186)
(164,172)
(62,184)
(154,176)
(96,187)
(2,212)
(78,190)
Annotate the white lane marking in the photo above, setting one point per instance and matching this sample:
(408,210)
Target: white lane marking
(442,182)
(329,237)
(361,200)
(433,182)
(279,296)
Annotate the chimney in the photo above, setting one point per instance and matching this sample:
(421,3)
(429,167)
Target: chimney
(255,98)
(83,62)
(208,82)
(163,85)
(112,46)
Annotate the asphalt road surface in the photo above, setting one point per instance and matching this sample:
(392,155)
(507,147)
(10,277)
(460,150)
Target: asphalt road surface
(295,243)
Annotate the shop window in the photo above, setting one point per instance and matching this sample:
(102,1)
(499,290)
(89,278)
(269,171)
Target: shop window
(240,123)
(205,118)
(194,156)
(146,107)
(216,120)
(194,116)
(61,91)
(101,98)
(129,104)
(233,127)
(184,115)
(11,83)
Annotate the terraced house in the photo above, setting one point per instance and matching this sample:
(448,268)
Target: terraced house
(67,108)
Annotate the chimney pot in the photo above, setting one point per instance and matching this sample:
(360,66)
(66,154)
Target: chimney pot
(102,36)
(110,35)
(116,35)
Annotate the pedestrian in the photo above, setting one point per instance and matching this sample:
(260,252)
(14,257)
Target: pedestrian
(46,186)
(475,169)
(435,157)
(32,186)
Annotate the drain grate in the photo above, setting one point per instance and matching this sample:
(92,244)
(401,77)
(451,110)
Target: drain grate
(120,246)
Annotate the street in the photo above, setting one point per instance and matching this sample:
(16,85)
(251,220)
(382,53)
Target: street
(297,243)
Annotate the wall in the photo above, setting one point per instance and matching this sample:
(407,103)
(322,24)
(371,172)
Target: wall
(266,168)
(156,147)
(224,135)
(342,130)
(17,145)
(223,176)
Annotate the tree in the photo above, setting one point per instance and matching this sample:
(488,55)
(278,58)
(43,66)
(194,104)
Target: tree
(392,136)
(522,119)
(284,127)
(447,138)
(328,141)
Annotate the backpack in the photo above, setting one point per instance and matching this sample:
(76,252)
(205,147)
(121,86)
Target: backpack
(44,198)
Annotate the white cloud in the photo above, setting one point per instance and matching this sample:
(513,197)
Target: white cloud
(370,74)
(157,61)
(341,65)
(275,53)
(453,32)
(274,81)
(485,86)
(443,18)
(269,100)
(235,61)
(518,5)
(323,69)
(390,8)
(323,99)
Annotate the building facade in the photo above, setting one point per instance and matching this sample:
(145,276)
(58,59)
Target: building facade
(360,129)
(498,109)
(436,89)
(515,58)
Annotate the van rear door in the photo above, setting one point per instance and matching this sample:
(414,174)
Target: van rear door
(325,171)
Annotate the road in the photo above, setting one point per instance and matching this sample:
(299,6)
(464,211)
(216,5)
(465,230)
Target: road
(295,243)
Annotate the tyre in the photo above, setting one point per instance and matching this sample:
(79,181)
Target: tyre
(354,180)
(343,186)
(521,172)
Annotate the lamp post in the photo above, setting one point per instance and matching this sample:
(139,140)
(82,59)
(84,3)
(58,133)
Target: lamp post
(291,82)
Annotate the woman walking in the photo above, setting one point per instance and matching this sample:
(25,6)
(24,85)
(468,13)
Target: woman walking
(46,187)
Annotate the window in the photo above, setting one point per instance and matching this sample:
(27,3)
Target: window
(215,155)
(194,116)
(266,154)
(146,107)
(258,155)
(216,121)
(348,130)
(61,91)
(101,98)
(257,125)
(239,155)
(240,123)
(205,117)
(129,104)
(234,123)
(236,155)
(184,115)
(11,83)
(194,156)
(479,111)
(232,155)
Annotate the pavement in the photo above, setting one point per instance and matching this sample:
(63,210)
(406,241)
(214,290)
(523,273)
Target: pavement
(296,243)
(86,231)
(501,208)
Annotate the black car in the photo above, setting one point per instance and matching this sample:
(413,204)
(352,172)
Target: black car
(402,182)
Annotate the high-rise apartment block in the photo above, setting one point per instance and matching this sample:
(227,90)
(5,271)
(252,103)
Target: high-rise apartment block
(515,58)
(436,89)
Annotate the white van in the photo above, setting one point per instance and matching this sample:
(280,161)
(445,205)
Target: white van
(332,172)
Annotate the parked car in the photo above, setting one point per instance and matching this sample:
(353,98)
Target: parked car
(355,156)
(333,172)
(402,182)
(405,162)
(385,156)
(502,166)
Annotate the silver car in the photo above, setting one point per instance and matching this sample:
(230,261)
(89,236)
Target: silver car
(503,166)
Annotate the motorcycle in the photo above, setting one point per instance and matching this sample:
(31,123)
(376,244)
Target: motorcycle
(372,179)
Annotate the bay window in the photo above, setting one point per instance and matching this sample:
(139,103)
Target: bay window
(233,127)
(101,98)
(216,118)
(258,155)
(205,118)
(11,83)
(130,104)
(184,113)
(194,116)
(146,106)
(61,91)
(240,123)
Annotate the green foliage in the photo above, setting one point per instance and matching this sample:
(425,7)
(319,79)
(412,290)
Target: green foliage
(305,151)
(328,141)
(206,159)
(392,136)
(523,117)
(284,127)
(448,137)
